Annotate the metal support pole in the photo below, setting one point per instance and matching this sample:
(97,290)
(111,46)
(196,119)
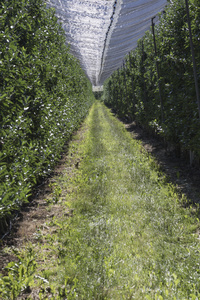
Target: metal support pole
(124,69)
(193,56)
(120,91)
(130,66)
(143,71)
(132,85)
(158,73)
(112,86)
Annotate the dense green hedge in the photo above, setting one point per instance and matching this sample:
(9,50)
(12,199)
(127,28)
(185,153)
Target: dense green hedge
(44,95)
(133,90)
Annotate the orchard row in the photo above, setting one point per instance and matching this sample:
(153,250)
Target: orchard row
(44,95)
(156,84)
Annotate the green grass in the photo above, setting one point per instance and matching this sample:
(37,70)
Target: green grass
(129,237)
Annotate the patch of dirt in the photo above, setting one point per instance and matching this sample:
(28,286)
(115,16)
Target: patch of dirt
(33,216)
(177,169)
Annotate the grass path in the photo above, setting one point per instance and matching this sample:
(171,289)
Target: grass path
(129,237)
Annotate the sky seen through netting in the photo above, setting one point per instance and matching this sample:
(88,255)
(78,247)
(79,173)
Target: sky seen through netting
(101,33)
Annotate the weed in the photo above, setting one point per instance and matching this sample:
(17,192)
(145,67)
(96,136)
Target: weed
(57,191)
(20,276)
(129,236)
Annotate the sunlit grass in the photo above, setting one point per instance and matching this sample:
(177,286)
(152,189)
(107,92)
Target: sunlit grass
(129,236)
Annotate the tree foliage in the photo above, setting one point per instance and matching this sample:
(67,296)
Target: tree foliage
(133,91)
(44,95)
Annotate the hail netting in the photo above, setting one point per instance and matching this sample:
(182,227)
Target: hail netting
(102,32)
(85,23)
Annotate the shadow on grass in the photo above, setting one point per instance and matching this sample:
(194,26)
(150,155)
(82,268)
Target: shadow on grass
(177,169)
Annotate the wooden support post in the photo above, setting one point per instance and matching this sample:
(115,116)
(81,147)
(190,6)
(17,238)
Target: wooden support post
(193,56)
(158,73)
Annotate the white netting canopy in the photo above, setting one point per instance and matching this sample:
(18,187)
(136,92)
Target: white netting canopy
(102,32)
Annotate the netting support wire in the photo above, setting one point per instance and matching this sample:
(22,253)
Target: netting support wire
(157,69)
(193,56)
(106,39)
